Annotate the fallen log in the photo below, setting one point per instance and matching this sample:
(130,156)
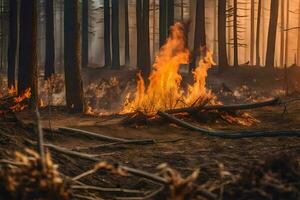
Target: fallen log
(232,107)
(226,135)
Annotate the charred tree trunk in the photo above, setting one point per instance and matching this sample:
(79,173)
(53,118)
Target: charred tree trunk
(282,12)
(143,42)
(270,54)
(166,19)
(115,35)
(127,49)
(222,47)
(200,34)
(252,36)
(258,34)
(27,72)
(50,49)
(12,43)
(235,35)
(74,88)
(107,46)
(85,34)
(162,22)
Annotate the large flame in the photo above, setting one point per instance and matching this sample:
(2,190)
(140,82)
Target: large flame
(164,91)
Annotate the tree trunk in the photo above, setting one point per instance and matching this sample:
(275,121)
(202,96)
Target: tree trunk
(252,37)
(166,19)
(287,47)
(85,34)
(298,42)
(282,13)
(258,34)
(200,34)
(107,46)
(12,46)
(153,29)
(27,72)
(1,33)
(222,46)
(127,49)
(143,42)
(74,88)
(270,54)
(235,35)
(162,22)
(263,42)
(115,35)
(50,48)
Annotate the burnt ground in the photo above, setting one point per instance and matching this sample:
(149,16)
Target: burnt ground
(182,149)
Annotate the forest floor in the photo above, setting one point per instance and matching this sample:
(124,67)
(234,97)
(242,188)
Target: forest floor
(182,149)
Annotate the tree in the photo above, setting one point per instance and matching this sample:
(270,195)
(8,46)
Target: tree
(298,42)
(107,46)
(127,49)
(252,34)
(115,35)
(27,71)
(12,43)
(258,33)
(74,87)
(270,54)
(282,12)
(166,19)
(235,35)
(143,38)
(50,48)
(200,34)
(85,33)
(222,48)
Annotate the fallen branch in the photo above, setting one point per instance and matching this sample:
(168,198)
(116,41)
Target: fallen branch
(225,135)
(91,134)
(233,107)
(130,142)
(102,189)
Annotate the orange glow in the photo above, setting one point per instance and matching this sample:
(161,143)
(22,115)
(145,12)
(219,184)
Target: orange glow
(164,91)
(25,95)
(12,90)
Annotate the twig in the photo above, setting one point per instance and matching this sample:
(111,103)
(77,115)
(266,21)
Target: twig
(40,137)
(152,194)
(102,189)
(225,135)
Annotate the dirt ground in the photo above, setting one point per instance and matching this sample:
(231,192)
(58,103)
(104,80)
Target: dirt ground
(182,149)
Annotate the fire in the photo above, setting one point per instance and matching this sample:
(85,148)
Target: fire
(12,90)
(164,91)
(19,104)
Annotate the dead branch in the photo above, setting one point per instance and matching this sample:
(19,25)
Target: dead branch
(130,142)
(91,134)
(102,189)
(225,135)
(234,107)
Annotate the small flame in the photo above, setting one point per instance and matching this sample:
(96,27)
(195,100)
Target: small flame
(164,91)
(12,90)
(19,101)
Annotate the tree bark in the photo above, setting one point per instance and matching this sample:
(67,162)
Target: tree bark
(252,36)
(282,13)
(85,34)
(286,51)
(270,54)
(200,34)
(107,46)
(127,49)
(115,35)
(50,48)
(166,19)
(74,88)
(235,35)
(12,46)
(27,71)
(222,46)
(258,34)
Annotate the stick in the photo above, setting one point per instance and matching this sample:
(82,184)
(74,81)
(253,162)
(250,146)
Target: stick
(225,135)
(91,134)
(130,142)
(233,107)
(102,189)
(40,137)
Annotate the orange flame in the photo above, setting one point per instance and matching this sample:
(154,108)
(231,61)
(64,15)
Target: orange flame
(18,100)
(164,91)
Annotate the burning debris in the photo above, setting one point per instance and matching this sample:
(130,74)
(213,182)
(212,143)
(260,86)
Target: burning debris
(164,90)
